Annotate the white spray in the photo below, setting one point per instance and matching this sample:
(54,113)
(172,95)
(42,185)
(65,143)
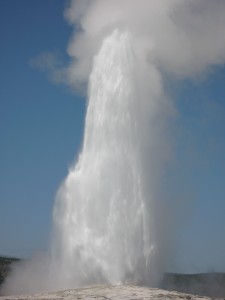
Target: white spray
(105,208)
(109,215)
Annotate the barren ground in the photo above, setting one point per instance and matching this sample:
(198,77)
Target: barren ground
(108,293)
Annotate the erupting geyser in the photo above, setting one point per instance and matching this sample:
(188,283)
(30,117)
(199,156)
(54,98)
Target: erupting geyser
(103,216)
(110,218)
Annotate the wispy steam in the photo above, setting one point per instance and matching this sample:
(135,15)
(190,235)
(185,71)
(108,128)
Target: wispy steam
(52,64)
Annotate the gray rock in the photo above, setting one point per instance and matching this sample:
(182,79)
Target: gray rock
(121,292)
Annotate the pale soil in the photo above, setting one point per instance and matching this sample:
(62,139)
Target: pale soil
(108,293)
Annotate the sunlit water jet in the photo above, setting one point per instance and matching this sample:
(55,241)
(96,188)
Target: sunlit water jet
(104,211)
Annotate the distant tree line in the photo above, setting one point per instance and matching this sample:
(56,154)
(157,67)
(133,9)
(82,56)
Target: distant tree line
(5,263)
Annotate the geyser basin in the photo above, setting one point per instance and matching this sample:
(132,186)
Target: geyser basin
(109,292)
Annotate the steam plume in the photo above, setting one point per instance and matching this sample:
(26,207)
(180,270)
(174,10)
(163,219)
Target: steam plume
(180,37)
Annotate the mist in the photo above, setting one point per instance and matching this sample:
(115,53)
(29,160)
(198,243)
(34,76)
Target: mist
(111,218)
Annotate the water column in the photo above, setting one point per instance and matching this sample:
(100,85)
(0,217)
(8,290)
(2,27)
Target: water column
(101,215)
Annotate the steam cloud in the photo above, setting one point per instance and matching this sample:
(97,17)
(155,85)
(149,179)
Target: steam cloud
(180,38)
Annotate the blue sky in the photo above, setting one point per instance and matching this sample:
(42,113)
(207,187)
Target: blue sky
(41,124)
(41,129)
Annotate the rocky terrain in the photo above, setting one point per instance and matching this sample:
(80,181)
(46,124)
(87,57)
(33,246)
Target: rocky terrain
(108,293)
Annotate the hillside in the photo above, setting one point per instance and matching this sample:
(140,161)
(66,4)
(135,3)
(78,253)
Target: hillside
(205,284)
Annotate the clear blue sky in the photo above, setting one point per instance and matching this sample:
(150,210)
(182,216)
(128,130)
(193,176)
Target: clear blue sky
(41,129)
(41,124)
